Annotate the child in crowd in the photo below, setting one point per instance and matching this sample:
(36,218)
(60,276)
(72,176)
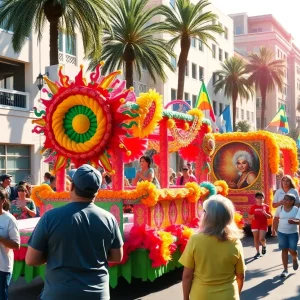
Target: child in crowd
(260,212)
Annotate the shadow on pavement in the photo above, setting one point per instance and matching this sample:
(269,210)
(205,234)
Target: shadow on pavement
(138,289)
(264,288)
(250,274)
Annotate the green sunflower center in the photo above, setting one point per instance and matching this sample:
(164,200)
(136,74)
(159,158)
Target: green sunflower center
(80,123)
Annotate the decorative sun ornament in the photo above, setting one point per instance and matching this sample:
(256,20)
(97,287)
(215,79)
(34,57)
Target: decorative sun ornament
(85,121)
(149,113)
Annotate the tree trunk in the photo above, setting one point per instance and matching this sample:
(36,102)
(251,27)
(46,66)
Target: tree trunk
(182,62)
(54,42)
(263,92)
(234,99)
(129,74)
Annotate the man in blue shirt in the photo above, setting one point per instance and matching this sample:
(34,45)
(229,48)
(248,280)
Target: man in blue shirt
(77,241)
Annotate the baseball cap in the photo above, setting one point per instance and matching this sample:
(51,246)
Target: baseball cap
(87,179)
(5,176)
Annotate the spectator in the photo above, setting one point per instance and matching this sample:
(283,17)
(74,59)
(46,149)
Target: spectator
(182,180)
(287,186)
(53,183)
(47,177)
(22,207)
(9,240)
(76,241)
(213,260)
(190,171)
(287,231)
(5,181)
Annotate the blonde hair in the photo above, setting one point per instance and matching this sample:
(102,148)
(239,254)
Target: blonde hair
(292,182)
(218,219)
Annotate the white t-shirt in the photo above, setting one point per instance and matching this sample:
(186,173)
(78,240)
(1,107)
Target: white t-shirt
(280,193)
(284,226)
(9,230)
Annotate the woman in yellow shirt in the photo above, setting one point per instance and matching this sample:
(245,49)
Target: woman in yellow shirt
(213,260)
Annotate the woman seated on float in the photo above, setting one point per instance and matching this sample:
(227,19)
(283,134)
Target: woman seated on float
(22,207)
(146,173)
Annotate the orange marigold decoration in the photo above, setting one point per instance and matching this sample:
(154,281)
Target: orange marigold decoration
(238,219)
(222,187)
(194,190)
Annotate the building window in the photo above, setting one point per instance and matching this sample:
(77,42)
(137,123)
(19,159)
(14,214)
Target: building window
(298,70)
(258,102)
(193,42)
(237,113)
(213,50)
(239,30)
(174,62)
(215,106)
(226,55)
(201,73)
(252,116)
(220,54)
(248,115)
(220,24)
(194,100)
(173,94)
(186,96)
(226,33)
(67,48)
(215,78)
(15,160)
(187,68)
(220,108)
(194,71)
(200,45)
(242,114)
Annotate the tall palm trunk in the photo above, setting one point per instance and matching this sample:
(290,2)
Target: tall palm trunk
(234,100)
(54,42)
(263,92)
(182,62)
(129,73)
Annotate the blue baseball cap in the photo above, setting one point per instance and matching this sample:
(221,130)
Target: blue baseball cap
(87,179)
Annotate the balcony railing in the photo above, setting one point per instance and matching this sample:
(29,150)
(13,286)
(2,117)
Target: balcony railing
(14,99)
(66,58)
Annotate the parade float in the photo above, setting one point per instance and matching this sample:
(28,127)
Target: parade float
(101,122)
(270,155)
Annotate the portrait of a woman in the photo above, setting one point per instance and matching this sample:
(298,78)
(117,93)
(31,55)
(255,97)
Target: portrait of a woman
(243,162)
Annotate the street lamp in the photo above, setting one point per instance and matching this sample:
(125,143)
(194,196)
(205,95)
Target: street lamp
(40,80)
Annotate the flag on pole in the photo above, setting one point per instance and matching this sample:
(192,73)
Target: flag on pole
(224,120)
(298,141)
(280,120)
(203,102)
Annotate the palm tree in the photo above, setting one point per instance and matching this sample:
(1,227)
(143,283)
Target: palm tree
(23,15)
(243,126)
(265,74)
(184,22)
(133,44)
(233,80)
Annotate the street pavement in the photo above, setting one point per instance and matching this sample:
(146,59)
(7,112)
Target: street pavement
(262,281)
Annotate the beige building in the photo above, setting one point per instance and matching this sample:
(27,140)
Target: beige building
(251,33)
(19,147)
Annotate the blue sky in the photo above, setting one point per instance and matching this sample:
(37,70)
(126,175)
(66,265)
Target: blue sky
(286,12)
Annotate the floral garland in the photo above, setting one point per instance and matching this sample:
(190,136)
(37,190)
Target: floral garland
(274,142)
(145,191)
(222,187)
